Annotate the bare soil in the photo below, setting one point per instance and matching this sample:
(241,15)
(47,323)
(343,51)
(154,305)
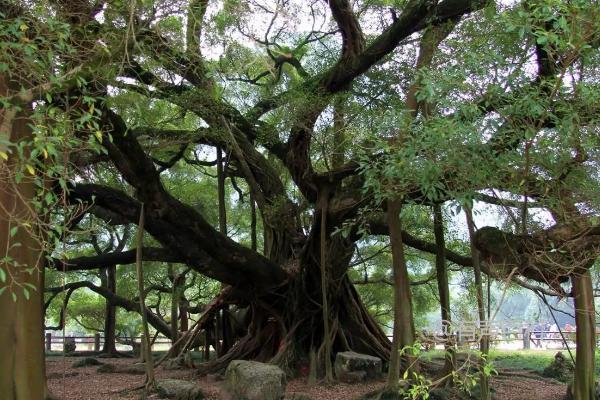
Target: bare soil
(67,383)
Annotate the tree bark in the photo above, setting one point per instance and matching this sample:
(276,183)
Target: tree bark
(443,290)
(484,346)
(253,241)
(110,312)
(146,346)
(324,200)
(404,330)
(22,368)
(174,308)
(584,386)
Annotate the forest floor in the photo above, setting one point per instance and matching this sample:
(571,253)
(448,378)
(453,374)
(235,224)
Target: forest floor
(67,383)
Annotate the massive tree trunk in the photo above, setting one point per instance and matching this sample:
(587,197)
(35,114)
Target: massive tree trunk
(22,371)
(288,322)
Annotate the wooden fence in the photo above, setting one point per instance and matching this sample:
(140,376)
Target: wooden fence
(524,336)
(95,342)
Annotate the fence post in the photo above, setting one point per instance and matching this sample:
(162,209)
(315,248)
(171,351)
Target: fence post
(526,339)
(96,342)
(48,341)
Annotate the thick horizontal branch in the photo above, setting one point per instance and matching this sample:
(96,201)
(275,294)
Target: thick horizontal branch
(114,258)
(184,232)
(379,227)
(548,256)
(388,282)
(505,202)
(491,267)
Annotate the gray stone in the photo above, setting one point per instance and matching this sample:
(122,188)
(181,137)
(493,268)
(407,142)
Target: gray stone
(351,366)
(174,363)
(107,369)
(86,362)
(132,369)
(351,376)
(178,389)
(251,380)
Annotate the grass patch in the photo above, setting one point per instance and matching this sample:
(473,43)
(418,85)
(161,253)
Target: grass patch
(534,360)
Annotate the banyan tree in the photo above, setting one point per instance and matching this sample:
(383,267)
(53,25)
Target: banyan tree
(330,117)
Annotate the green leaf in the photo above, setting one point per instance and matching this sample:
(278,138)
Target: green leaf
(26,293)
(13,231)
(2,275)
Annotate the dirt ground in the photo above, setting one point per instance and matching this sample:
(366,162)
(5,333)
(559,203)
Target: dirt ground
(67,383)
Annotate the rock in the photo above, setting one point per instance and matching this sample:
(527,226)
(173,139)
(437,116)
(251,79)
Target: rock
(178,389)
(132,369)
(352,376)
(355,367)
(251,380)
(86,362)
(180,362)
(560,369)
(173,363)
(107,369)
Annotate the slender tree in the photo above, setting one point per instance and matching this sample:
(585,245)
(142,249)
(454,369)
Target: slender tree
(146,344)
(441,272)
(110,315)
(484,345)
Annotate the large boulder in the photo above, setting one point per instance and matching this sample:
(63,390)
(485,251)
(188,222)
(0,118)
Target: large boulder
(86,362)
(251,380)
(131,369)
(107,369)
(178,389)
(355,367)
